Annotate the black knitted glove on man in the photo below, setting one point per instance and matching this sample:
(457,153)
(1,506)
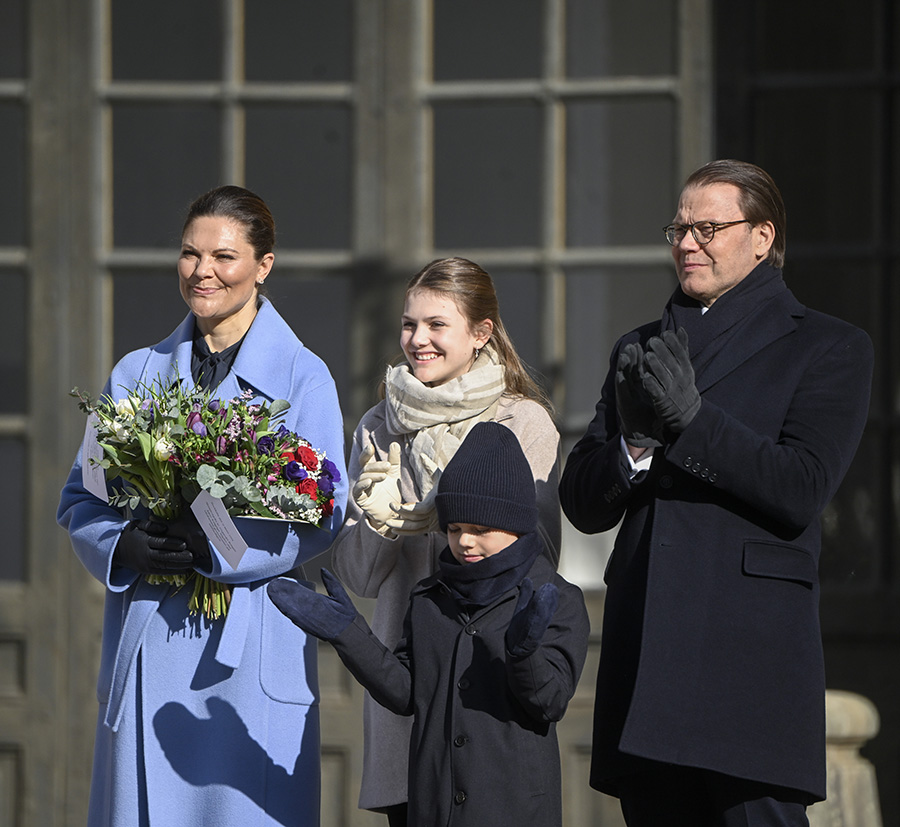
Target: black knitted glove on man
(638,420)
(668,378)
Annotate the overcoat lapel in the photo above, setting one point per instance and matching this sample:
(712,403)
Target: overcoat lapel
(769,322)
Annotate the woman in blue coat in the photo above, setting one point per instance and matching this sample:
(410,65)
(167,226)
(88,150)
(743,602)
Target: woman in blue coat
(211,721)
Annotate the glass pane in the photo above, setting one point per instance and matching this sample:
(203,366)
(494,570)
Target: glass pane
(848,289)
(621,158)
(300,160)
(164,156)
(474,39)
(147,307)
(13,164)
(167,40)
(614,38)
(802,125)
(602,304)
(519,294)
(13,486)
(801,37)
(892,350)
(291,41)
(13,335)
(13,39)
(487,175)
(318,311)
(852,524)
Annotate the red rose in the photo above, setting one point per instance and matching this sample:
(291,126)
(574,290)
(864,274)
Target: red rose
(308,486)
(307,458)
(328,509)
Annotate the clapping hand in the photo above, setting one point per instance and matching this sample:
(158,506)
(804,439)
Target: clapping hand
(532,615)
(668,379)
(420,517)
(639,423)
(323,616)
(378,485)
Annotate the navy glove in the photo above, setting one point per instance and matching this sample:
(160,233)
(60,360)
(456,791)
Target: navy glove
(669,379)
(188,529)
(531,617)
(638,420)
(145,547)
(323,616)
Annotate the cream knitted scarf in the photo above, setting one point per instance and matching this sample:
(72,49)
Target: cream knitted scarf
(434,421)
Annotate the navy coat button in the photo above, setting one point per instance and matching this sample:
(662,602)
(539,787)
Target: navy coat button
(687,462)
(471,630)
(460,797)
(665,481)
(463,683)
(460,740)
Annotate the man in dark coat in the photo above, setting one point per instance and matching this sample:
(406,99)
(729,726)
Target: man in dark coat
(722,432)
(493,646)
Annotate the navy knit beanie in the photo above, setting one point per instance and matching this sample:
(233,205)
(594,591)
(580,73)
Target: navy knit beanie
(488,482)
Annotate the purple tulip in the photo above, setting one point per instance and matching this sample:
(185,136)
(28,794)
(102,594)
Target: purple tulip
(195,423)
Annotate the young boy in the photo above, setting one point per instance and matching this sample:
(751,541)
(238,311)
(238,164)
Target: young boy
(492,649)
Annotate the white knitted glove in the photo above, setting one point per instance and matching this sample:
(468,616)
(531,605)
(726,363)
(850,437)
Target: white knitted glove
(420,517)
(378,485)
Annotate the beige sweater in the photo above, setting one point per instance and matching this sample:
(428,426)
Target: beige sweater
(387,569)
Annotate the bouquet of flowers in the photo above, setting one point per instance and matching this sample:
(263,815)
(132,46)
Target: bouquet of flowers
(165,443)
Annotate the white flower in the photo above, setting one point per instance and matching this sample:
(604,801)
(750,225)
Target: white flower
(119,431)
(126,407)
(163,449)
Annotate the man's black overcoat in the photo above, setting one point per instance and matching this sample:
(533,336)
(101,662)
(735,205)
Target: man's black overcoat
(711,654)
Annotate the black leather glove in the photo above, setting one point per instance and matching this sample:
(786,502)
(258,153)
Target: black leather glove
(323,616)
(638,420)
(669,379)
(144,546)
(187,528)
(531,617)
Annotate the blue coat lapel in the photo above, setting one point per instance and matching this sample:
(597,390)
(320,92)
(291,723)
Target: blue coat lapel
(259,364)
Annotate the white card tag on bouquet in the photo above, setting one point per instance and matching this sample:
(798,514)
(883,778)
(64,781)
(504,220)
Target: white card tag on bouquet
(219,527)
(93,477)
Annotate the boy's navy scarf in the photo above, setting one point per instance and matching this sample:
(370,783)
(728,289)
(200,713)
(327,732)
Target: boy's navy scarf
(480,584)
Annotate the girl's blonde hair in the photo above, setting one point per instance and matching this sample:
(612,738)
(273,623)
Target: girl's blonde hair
(473,291)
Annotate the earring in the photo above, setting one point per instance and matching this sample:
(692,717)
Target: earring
(477,351)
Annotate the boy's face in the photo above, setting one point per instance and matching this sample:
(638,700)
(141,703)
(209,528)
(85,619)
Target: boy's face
(470,543)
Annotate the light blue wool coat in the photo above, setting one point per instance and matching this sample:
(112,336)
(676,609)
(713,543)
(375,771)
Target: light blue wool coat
(211,723)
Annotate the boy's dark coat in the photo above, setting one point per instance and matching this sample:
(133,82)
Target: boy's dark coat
(484,748)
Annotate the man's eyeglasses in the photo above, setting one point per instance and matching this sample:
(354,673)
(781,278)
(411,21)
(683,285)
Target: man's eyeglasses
(703,231)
